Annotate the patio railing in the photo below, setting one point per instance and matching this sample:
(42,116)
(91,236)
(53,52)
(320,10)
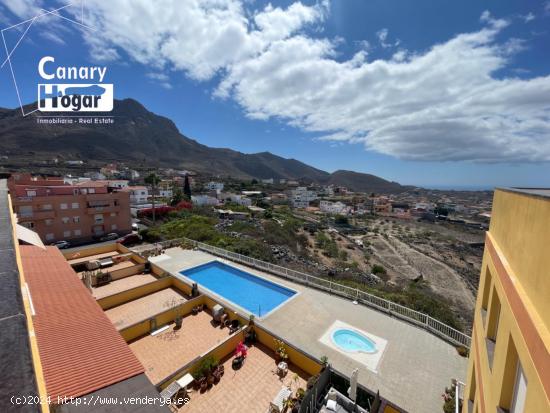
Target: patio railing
(404,313)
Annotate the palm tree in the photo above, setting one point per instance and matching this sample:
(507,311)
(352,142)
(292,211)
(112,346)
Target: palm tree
(153,180)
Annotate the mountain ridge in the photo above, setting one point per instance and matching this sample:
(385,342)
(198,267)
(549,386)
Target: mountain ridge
(141,136)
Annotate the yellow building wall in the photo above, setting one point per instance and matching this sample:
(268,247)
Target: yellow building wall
(520,238)
(521,227)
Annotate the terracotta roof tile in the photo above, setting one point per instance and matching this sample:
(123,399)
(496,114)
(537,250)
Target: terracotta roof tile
(80,349)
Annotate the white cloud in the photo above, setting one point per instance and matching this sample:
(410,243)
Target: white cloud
(451,101)
(528,17)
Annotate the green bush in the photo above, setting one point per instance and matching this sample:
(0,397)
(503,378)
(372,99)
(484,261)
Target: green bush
(378,269)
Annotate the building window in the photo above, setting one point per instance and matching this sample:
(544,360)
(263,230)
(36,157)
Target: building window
(65,220)
(113,227)
(75,205)
(77,233)
(63,206)
(485,296)
(520,391)
(49,237)
(25,211)
(76,219)
(46,207)
(31,193)
(48,222)
(113,214)
(514,383)
(66,234)
(492,326)
(98,218)
(472,390)
(29,224)
(91,190)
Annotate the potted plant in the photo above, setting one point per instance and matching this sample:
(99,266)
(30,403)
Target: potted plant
(288,404)
(175,306)
(300,393)
(280,351)
(324,363)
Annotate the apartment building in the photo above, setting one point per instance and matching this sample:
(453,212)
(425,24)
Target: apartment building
(302,196)
(60,211)
(509,366)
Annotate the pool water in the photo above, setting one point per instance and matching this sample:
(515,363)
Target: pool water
(248,291)
(353,341)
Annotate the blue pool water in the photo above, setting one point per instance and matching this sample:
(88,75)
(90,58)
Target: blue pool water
(352,341)
(252,293)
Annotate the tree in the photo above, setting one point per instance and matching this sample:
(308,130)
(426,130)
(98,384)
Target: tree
(153,180)
(177,195)
(187,188)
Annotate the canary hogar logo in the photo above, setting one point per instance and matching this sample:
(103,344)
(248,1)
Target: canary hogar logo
(73,97)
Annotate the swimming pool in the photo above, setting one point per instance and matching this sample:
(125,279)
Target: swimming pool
(353,341)
(248,291)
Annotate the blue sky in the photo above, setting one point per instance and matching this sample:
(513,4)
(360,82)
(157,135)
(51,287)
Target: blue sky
(432,93)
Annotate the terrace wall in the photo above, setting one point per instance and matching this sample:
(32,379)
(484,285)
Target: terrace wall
(143,327)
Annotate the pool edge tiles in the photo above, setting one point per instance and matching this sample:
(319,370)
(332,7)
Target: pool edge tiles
(253,279)
(370,360)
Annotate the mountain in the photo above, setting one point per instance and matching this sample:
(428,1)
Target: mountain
(140,137)
(364,182)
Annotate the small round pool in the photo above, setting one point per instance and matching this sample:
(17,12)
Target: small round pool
(353,341)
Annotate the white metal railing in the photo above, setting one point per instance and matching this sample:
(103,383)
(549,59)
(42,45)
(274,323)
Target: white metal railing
(408,314)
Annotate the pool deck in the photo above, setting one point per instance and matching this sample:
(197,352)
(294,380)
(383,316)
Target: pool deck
(414,369)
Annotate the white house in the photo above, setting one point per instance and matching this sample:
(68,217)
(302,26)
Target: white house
(215,186)
(138,194)
(329,207)
(204,200)
(268,181)
(237,199)
(117,183)
(301,197)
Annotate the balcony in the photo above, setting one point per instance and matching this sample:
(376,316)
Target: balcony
(49,214)
(36,215)
(103,209)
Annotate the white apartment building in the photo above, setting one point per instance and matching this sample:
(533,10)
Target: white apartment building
(301,197)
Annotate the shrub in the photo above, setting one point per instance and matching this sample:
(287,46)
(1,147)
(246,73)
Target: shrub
(378,269)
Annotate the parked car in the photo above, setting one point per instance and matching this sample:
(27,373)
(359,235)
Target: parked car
(109,237)
(61,244)
(130,239)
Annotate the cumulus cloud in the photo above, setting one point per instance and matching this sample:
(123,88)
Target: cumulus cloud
(441,104)
(449,102)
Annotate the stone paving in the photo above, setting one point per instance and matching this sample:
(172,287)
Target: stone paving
(168,351)
(249,389)
(416,365)
(123,284)
(129,313)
